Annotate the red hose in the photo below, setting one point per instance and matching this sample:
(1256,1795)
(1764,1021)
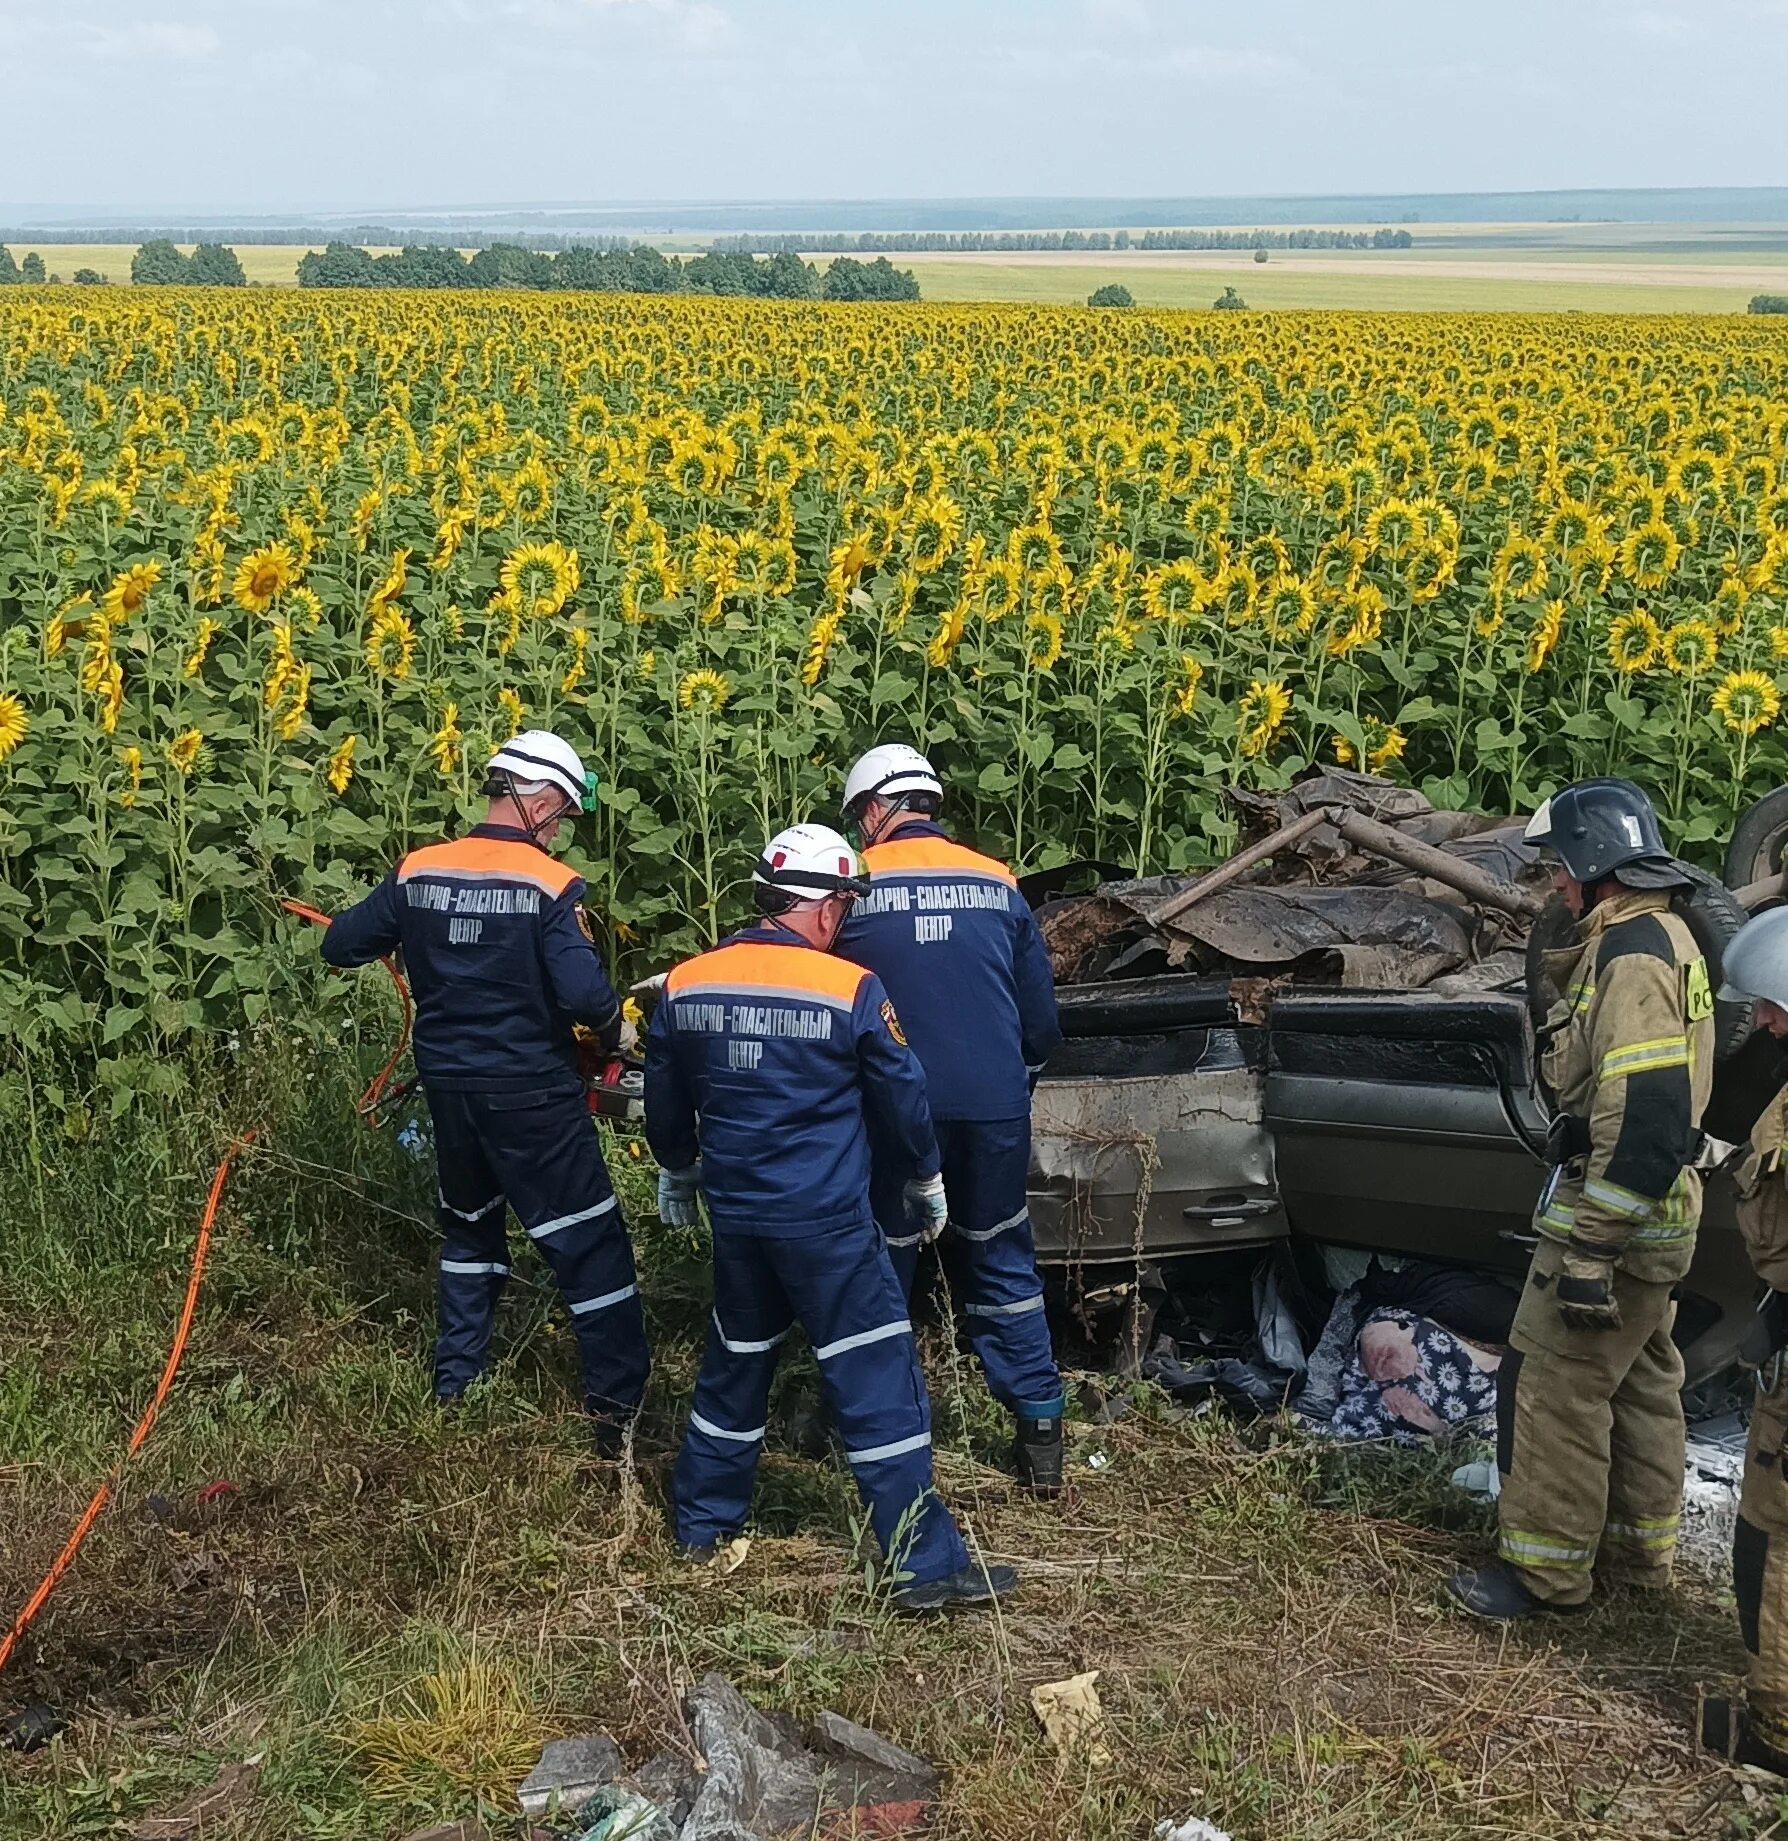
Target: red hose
(368,1104)
(103,1494)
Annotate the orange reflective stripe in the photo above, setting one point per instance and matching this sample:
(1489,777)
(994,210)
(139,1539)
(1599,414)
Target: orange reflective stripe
(499,858)
(932,855)
(751,965)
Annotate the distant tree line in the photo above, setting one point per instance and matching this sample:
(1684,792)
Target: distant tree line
(211,265)
(635,269)
(30,273)
(1768,303)
(908,242)
(285,234)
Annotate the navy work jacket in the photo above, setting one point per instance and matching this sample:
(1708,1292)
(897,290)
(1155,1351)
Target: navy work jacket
(773,1062)
(957,949)
(498,961)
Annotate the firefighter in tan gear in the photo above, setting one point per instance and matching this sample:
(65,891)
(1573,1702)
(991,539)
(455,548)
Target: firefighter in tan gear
(1589,1419)
(1756,968)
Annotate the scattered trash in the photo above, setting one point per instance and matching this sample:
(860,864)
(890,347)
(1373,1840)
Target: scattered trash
(625,1815)
(31,1728)
(1194,1828)
(1072,1716)
(206,1811)
(569,1774)
(732,1556)
(212,1492)
(764,1777)
(1482,1480)
(1097,1460)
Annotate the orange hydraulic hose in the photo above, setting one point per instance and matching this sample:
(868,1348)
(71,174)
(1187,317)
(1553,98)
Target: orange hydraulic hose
(103,1494)
(369,1102)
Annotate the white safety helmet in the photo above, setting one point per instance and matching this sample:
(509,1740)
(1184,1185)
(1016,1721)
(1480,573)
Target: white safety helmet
(810,862)
(1755,962)
(891,771)
(537,758)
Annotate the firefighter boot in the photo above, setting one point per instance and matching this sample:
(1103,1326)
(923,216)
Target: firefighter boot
(1498,1592)
(1728,1730)
(1037,1454)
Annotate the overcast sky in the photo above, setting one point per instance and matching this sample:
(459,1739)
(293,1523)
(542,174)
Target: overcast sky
(270,105)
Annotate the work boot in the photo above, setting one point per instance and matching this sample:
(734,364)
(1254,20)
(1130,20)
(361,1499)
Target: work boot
(1497,1591)
(1728,1730)
(957,1591)
(1037,1455)
(696,1553)
(608,1437)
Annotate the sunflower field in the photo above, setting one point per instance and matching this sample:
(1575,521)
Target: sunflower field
(278,571)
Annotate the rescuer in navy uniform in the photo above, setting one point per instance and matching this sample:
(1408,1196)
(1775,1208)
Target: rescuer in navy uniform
(957,950)
(501,968)
(766,1059)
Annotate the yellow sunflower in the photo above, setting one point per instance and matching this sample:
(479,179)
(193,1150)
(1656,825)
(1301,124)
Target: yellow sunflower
(263,576)
(340,769)
(446,745)
(15,723)
(1649,553)
(1185,692)
(1634,640)
(1747,701)
(128,593)
(705,692)
(183,751)
(1690,648)
(390,643)
(1544,638)
(1260,715)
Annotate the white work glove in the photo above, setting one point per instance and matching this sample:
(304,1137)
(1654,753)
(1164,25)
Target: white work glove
(926,1208)
(677,1205)
(629,1042)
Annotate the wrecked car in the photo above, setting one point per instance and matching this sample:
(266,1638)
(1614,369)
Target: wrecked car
(1320,1045)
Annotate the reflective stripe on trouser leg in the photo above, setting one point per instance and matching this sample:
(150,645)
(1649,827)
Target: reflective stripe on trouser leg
(1646,1455)
(717,1466)
(474,1259)
(898,1233)
(1556,1494)
(846,1297)
(549,1159)
(991,1260)
(1760,1566)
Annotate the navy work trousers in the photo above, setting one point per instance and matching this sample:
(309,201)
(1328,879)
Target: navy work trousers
(840,1289)
(536,1152)
(989,1258)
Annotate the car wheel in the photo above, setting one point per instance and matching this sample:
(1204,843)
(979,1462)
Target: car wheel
(1758,841)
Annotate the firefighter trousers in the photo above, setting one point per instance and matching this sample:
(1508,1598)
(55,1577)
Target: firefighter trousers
(537,1153)
(989,1258)
(839,1288)
(1760,1559)
(1589,1439)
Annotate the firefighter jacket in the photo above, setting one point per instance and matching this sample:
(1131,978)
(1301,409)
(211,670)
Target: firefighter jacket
(772,1062)
(1631,1063)
(956,946)
(1763,1196)
(498,960)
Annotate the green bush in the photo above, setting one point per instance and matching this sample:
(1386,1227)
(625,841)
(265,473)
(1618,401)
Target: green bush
(1768,303)
(1229,301)
(1113,294)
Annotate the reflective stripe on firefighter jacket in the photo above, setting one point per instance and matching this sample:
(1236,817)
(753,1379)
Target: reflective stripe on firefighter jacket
(497,958)
(772,1062)
(1633,1056)
(956,946)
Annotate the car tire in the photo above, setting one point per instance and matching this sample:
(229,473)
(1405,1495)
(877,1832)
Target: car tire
(1758,841)
(1713,917)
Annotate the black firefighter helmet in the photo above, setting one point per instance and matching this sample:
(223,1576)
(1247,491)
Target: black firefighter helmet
(1601,828)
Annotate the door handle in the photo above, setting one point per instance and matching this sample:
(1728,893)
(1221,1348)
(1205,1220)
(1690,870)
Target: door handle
(1231,1208)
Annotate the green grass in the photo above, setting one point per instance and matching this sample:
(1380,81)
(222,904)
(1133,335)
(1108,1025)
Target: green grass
(391,1608)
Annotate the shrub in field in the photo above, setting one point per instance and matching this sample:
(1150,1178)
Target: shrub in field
(1113,294)
(1229,301)
(1768,303)
(276,574)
